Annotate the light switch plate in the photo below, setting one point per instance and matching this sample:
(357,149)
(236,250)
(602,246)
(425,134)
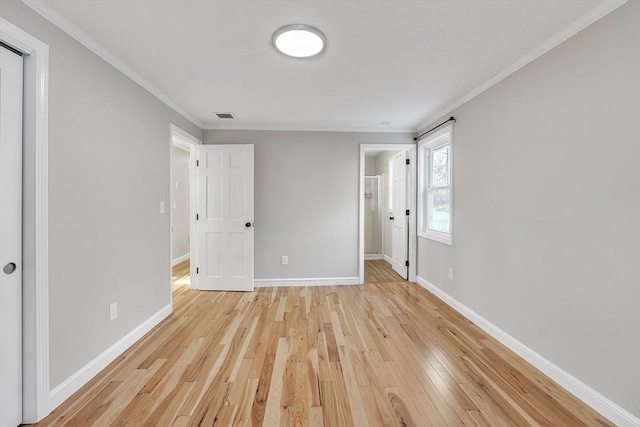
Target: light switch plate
(113,311)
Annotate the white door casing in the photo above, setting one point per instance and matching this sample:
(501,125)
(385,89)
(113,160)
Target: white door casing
(399,242)
(35,249)
(225,229)
(10,238)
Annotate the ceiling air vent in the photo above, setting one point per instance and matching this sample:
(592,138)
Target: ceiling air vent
(225,115)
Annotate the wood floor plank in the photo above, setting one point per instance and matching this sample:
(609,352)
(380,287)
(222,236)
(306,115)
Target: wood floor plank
(387,353)
(379,271)
(245,406)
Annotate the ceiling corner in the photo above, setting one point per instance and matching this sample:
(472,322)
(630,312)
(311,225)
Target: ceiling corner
(47,12)
(566,33)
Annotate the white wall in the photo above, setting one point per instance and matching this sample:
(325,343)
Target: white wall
(306,199)
(108,171)
(180,189)
(546,228)
(370,166)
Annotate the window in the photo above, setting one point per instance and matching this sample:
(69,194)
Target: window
(435,197)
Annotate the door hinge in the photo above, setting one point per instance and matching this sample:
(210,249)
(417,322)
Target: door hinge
(407,212)
(197,270)
(406,263)
(407,161)
(197,217)
(197,162)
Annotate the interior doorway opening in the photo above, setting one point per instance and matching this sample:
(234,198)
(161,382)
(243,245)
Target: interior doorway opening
(182,193)
(180,208)
(387,213)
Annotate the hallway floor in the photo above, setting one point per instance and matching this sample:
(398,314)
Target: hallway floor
(379,271)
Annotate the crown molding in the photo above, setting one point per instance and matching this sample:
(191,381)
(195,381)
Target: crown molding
(572,29)
(41,7)
(290,128)
(604,8)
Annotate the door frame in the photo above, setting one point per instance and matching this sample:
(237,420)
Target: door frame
(35,215)
(182,139)
(412,200)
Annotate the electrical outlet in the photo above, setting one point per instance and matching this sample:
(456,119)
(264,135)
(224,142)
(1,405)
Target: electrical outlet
(113,311)
(450,273)
(284,260)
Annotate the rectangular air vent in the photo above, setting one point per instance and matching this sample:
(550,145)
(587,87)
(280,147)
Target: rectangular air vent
(225,115)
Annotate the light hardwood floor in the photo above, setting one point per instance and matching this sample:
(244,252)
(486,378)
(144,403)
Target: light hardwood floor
(180,274)
(381,354)
(380,271)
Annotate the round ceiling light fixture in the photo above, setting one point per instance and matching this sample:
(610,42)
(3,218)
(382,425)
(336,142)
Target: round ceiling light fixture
(299,41)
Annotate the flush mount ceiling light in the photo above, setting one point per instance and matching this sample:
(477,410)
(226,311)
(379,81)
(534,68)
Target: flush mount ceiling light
(299,41)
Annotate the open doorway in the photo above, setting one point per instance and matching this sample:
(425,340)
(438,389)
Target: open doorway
(387,213)
(181,206)
(379,217)
(180,213)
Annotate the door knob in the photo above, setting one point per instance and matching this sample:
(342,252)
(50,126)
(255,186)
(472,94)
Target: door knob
(9,268)
(248,225)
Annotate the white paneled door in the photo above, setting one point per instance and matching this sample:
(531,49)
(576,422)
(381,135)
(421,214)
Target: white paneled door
(10,238)
(400,222)
(225,226)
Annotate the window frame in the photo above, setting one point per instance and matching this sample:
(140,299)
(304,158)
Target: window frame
(426,146)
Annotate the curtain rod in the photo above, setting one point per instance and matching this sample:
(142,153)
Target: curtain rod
(451,119)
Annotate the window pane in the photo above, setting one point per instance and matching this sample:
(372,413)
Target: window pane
(440,165)
(439,213)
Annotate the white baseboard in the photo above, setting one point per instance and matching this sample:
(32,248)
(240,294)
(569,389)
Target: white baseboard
(388,259)
(373,256)
(180,259)
(91,369)
(607,408)
(267,283)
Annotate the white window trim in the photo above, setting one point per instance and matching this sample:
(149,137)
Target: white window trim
(431,142)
